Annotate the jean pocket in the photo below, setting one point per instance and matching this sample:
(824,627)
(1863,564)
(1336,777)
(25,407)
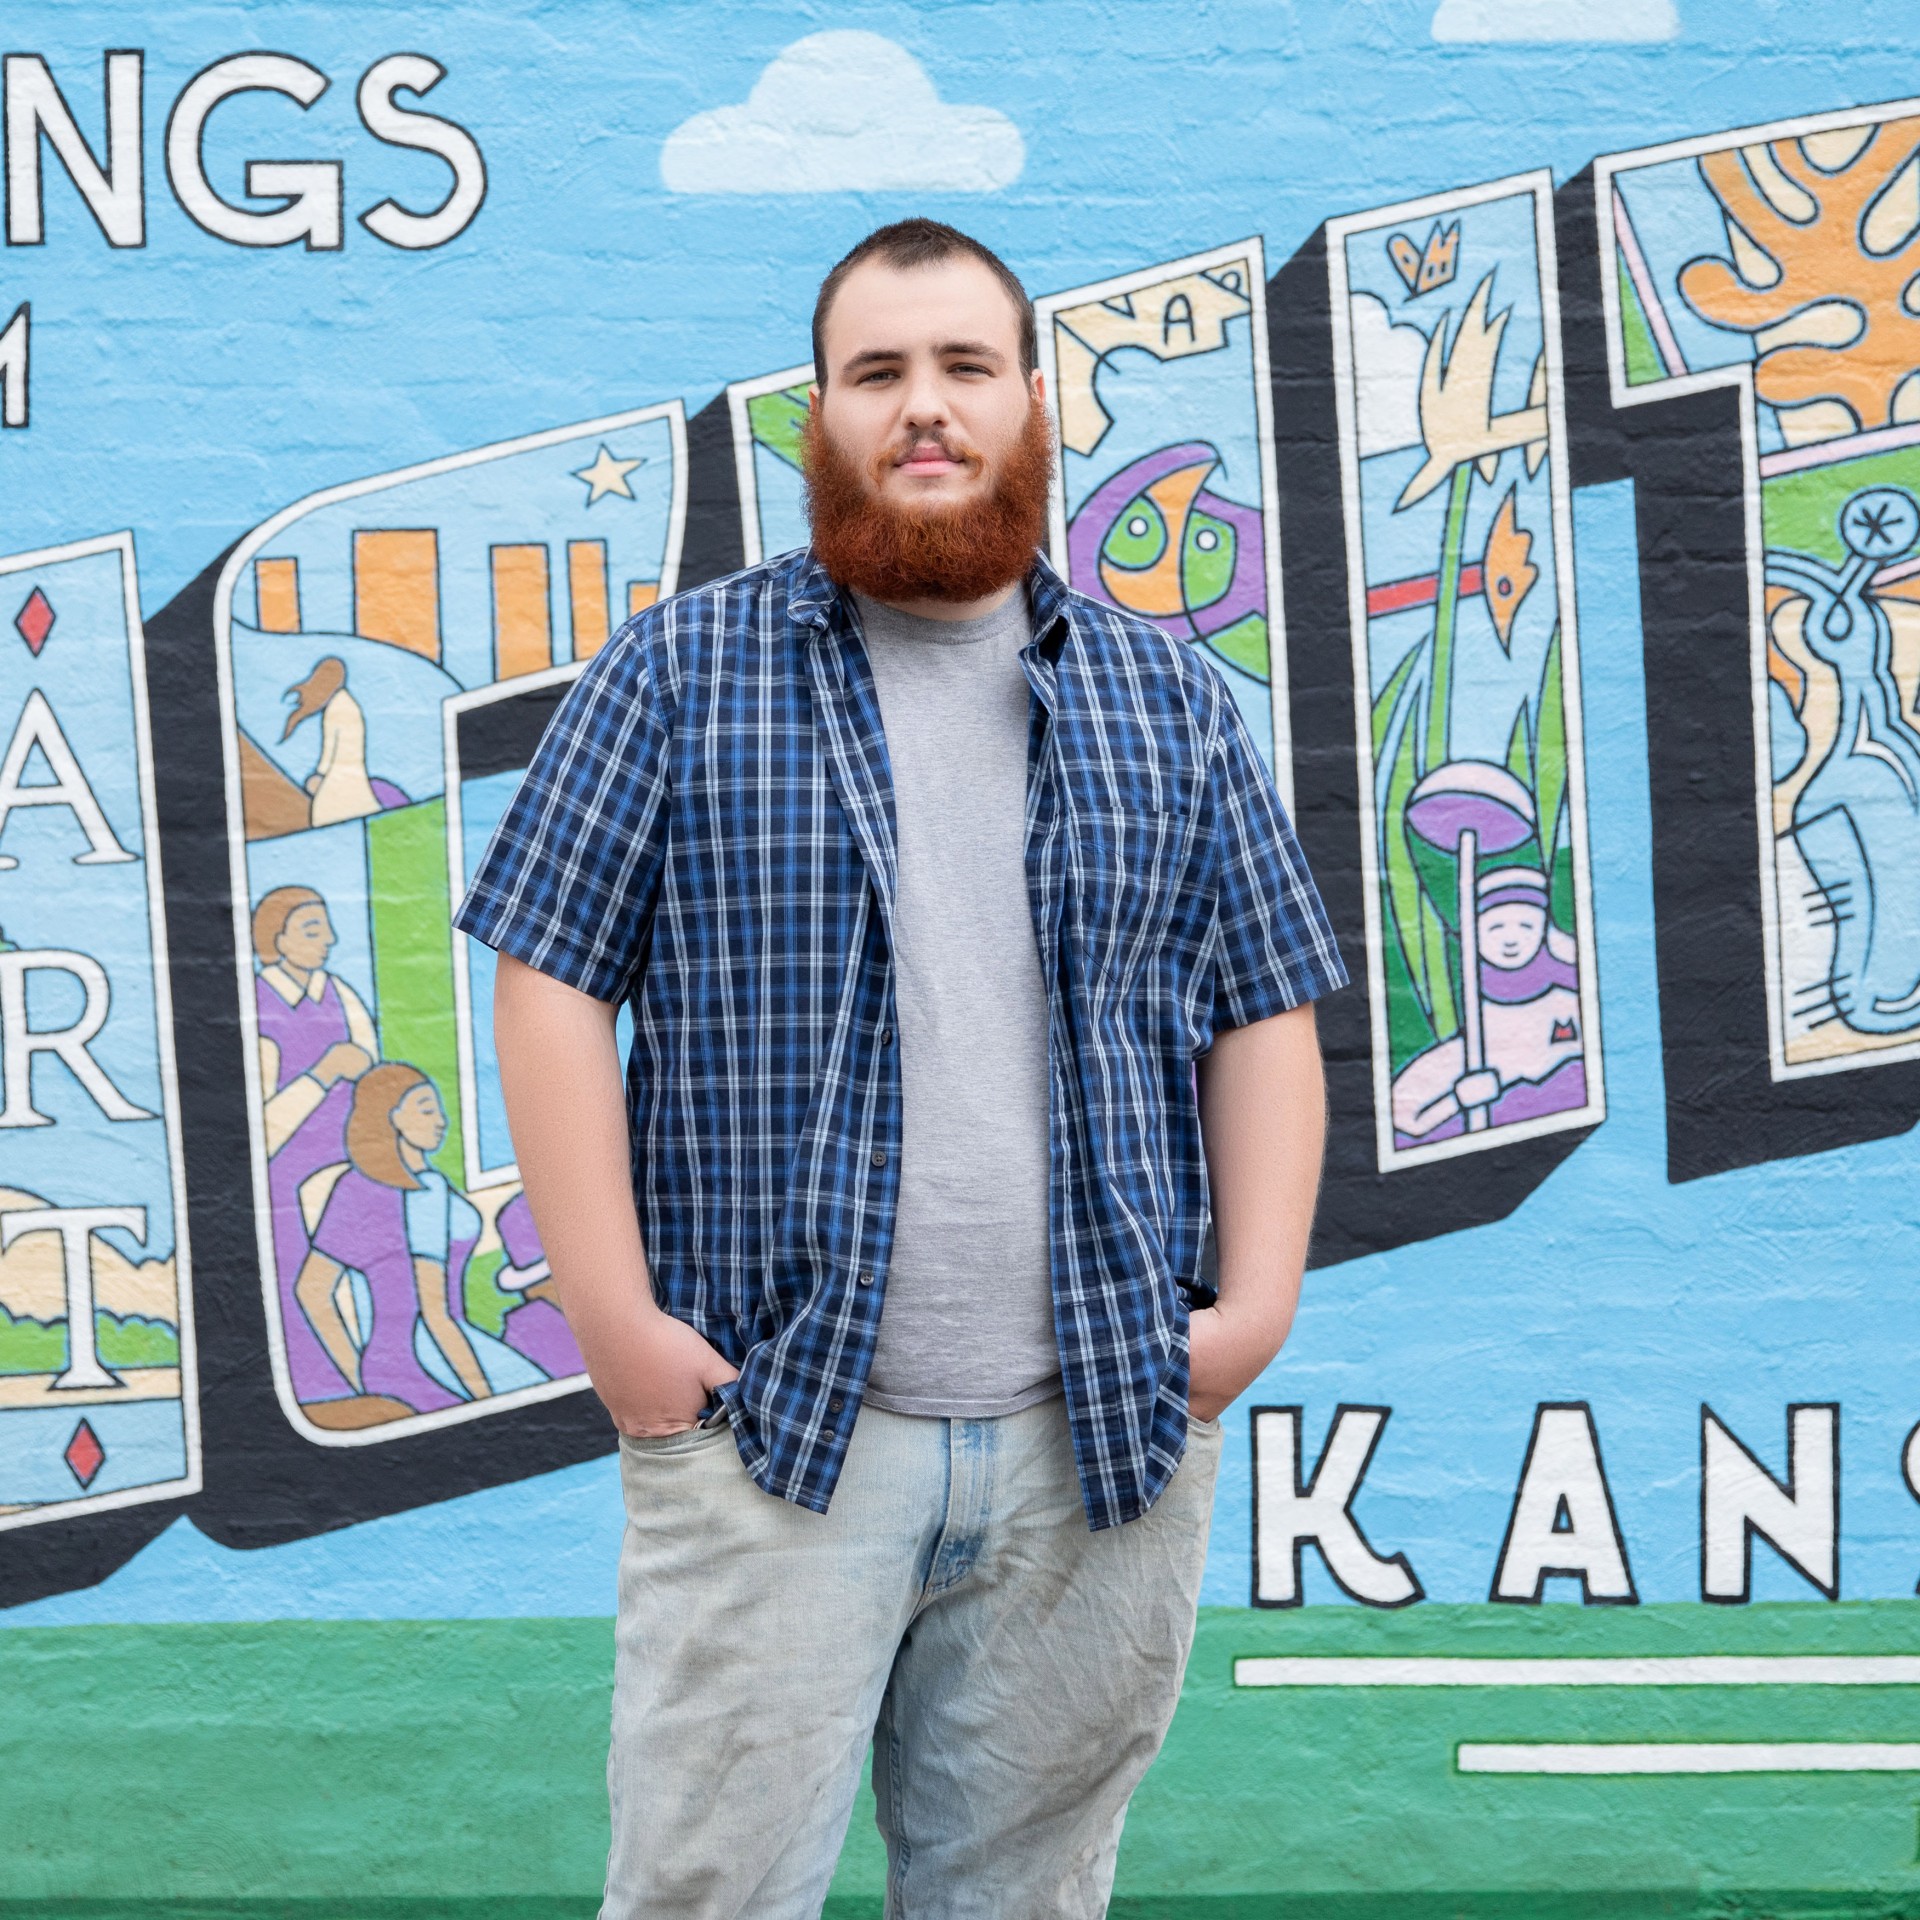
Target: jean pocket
(687,1440)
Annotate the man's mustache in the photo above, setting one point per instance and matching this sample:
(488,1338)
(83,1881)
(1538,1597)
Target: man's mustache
(963,455)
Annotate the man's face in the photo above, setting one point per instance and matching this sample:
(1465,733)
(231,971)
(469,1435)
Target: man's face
(307,938)
(924,395)
(1511,934)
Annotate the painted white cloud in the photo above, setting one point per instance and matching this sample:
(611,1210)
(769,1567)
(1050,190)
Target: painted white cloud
(1547,20)
(1386,377)
(843,112)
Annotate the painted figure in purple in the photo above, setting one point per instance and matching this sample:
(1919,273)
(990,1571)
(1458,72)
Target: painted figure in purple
(399,1234)
(1530,1011)
(1155,540)
(316,1040)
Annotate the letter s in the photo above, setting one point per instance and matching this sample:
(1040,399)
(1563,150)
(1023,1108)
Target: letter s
(407,127)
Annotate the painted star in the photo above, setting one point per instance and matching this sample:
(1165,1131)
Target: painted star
(607,475)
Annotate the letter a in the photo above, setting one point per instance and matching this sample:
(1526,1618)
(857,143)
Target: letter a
(38,728)
(1288,1512)
(1563,1478)
(1739,1498)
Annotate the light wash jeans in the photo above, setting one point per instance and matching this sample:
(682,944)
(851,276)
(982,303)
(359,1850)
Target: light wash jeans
(1013,1672)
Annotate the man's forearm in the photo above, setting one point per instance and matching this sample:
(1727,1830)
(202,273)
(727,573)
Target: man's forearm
(1263,1121)
(560,1075)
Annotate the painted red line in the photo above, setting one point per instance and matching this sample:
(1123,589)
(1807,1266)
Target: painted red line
(1396,596)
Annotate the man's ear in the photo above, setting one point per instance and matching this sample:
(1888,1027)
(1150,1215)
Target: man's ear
(1037,385)
(813,399)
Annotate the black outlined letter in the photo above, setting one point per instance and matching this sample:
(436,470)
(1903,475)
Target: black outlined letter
(1799,1519)
(1563,1519)
(1288,1512)
(116,194)
(402,126)
(309,190)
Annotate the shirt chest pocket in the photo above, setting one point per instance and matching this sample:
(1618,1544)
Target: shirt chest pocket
(1134,871)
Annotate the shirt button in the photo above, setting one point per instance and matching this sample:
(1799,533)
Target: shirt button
(866,1279)
(879,1156)
(830,1434)
(834,1406)
(886,1036)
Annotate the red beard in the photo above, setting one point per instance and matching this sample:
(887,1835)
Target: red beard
(897,553)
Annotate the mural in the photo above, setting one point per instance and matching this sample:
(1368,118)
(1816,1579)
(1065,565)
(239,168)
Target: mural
(1165,502)
(1578,1527)
(1485,1009)
(1778,260)
(99,1403)
(769,416)
(403,1279)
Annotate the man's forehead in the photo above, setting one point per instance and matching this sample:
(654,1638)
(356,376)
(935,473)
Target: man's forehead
(954,301)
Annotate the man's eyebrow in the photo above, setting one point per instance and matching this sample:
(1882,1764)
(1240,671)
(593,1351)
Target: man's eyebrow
(876,356)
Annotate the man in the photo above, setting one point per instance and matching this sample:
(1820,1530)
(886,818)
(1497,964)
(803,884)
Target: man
(928,882)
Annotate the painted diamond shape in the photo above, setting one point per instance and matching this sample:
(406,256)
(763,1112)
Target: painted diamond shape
(35,621)
(84,1455)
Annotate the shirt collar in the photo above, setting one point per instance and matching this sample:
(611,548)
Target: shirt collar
(289,990)
(814,601)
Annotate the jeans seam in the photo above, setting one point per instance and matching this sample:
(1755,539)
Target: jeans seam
(902,1847)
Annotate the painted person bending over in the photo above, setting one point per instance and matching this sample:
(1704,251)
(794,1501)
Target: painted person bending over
(928,882)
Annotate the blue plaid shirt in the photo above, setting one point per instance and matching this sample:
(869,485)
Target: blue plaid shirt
(707,834)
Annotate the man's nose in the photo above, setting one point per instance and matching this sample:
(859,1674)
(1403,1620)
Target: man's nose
(924,403)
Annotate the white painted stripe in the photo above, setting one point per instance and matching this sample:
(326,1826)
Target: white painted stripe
(1641,275)
(1720,1756)
(1690,1670)
(1852,446)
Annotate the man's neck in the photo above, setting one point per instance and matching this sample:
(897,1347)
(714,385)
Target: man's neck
(955,609)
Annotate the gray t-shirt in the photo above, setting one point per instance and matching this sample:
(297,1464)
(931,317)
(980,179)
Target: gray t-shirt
(967,1328)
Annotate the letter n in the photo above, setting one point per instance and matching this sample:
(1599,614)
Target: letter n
(1799,1519)
(1289,1511)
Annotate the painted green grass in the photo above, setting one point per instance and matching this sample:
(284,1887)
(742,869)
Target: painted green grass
(40,1346)
(1644,363)
(412,1770)
(1801,511)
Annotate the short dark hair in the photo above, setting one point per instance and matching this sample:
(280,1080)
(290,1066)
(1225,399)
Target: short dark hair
(919,243)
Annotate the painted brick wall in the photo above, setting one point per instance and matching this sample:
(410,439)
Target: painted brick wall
(1518,404)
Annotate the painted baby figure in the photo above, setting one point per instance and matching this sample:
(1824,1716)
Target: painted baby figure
(1530,1021)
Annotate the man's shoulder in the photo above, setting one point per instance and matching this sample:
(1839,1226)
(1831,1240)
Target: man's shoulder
(1113,641)
(787,583)
(679,636)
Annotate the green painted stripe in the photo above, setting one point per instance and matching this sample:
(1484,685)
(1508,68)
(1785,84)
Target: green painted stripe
(414,1770)
(1659,1903)
(413,956)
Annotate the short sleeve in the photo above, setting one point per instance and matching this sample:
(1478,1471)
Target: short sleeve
(1273,947)
(567,883)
